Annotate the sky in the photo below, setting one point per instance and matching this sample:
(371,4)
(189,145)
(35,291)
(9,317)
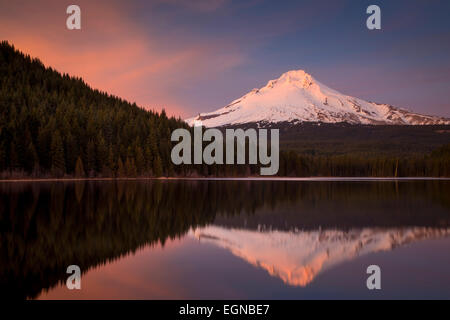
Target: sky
(192,56)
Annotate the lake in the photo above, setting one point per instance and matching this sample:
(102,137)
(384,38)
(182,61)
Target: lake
(225,239)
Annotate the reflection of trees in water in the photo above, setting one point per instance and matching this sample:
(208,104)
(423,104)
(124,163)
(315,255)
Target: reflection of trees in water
(47,226)
(345,205)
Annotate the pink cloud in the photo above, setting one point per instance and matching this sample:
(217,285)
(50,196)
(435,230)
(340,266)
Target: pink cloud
(198,5)
(114,53)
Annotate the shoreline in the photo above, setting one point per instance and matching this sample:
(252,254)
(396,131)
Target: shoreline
(306,179)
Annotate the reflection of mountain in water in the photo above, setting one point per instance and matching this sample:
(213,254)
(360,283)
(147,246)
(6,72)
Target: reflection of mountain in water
(298,257)
(44,227)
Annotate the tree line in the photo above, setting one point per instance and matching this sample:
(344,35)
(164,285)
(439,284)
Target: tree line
(435,164)
(54,125)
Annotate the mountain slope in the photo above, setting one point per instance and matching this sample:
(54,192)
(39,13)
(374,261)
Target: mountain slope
(297,97)
(54,124)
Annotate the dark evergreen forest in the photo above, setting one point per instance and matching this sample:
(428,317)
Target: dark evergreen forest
(54,125)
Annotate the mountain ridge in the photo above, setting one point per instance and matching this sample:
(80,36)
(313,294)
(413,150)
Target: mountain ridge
(297,97)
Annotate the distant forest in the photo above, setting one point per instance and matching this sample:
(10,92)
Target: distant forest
(54,125)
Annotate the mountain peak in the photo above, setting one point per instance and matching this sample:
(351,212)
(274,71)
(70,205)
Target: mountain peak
(295,75)
(300,78)
(297,97)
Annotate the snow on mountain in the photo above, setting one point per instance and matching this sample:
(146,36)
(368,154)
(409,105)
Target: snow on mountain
(297,97)
(297,257)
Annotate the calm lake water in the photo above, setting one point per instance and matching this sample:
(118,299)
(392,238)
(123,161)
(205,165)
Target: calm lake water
(225,239)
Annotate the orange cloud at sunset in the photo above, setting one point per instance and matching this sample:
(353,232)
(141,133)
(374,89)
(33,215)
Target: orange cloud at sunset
(112,52)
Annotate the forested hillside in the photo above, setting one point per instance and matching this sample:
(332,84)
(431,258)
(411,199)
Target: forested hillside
(53,124)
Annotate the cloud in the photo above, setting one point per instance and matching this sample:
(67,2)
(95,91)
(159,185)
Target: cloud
(197,5)
(114,53)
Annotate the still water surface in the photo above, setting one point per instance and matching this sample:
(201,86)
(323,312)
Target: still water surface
(225,239)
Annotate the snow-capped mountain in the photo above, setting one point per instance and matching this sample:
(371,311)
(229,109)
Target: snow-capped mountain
(297,97)
(297,257)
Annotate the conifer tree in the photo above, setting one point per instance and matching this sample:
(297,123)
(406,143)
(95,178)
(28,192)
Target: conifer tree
(32,158)
(111,162)
(148,159)
(57,155)
(157,166)
(2,157)
(120,169)
(140,160)
(91,160)
(79,169)
(130,167)
(102,154)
